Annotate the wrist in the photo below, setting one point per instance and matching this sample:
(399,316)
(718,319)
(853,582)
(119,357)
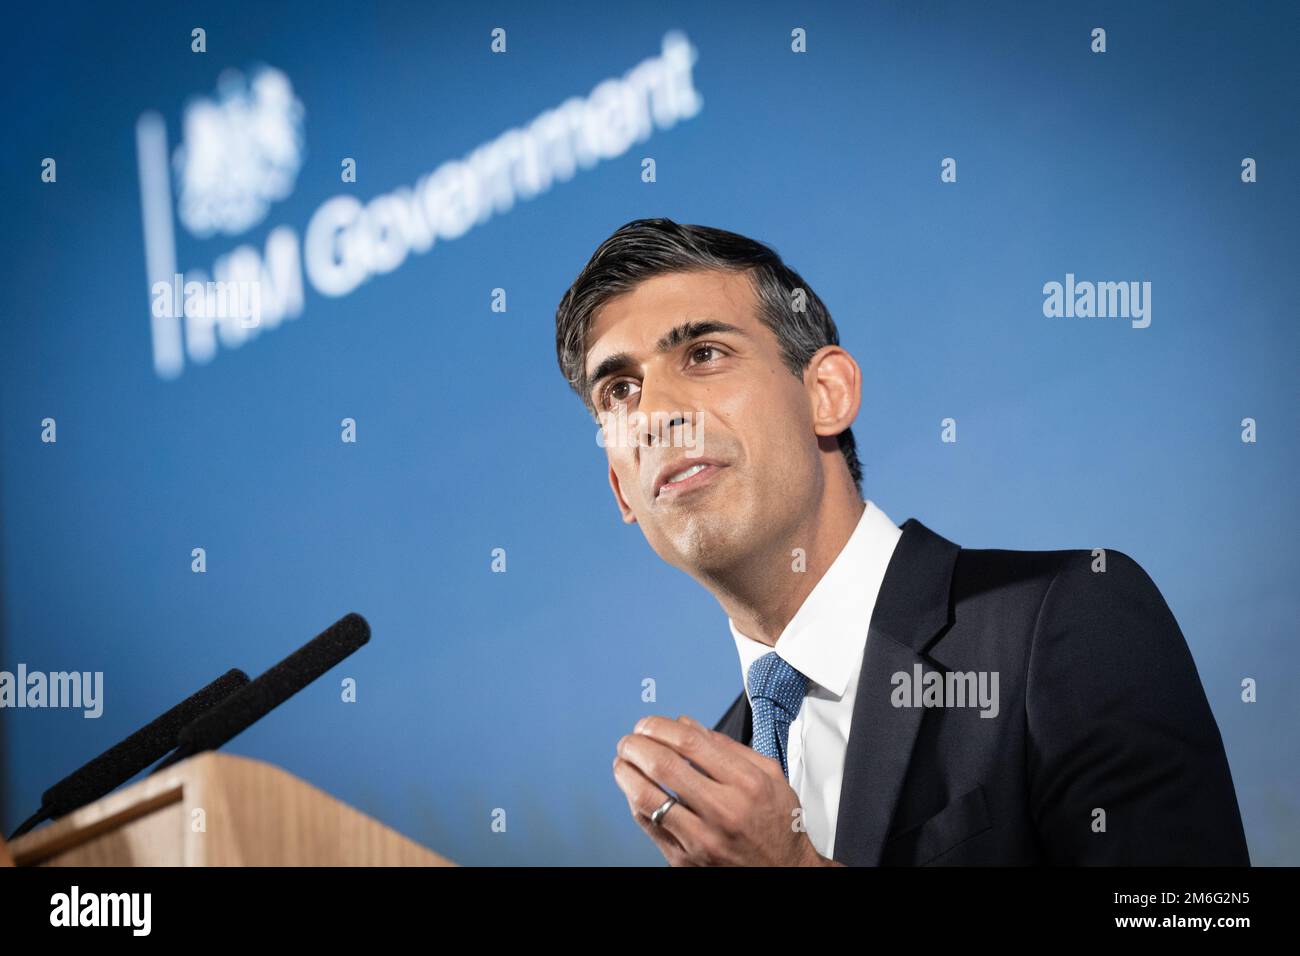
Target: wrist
(813,858)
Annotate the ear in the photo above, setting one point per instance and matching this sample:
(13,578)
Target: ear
(628,517)
(834,384)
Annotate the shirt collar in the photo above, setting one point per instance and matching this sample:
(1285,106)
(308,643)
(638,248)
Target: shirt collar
(825,638)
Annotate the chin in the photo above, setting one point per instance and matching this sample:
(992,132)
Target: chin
(706,545)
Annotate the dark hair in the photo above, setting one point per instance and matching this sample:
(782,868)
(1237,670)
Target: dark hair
(645,248)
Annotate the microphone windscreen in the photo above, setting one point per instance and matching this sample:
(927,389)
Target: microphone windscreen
(258,698)
(123,761)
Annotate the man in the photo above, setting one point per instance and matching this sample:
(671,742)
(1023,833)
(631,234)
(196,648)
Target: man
(905,701)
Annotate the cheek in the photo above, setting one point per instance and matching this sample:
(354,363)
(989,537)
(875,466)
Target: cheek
(770,422)
(623,463)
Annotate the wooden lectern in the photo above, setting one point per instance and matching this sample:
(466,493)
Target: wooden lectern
(253,814)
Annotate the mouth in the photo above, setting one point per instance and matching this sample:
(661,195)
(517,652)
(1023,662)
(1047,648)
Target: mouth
(683,476)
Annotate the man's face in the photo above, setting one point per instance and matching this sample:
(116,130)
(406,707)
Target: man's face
(690,346)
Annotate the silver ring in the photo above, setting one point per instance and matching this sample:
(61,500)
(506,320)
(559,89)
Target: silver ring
(664,808)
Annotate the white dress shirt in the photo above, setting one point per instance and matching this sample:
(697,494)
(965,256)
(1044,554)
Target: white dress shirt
(825,641)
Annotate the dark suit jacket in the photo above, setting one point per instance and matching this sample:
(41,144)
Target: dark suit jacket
(1100,707)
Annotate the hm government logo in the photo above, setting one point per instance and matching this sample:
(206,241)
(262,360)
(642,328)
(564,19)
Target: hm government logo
(242,150)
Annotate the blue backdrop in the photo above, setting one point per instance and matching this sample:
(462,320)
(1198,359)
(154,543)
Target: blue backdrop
(485,690)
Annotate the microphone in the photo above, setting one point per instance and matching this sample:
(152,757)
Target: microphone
(255,700)
(120,763)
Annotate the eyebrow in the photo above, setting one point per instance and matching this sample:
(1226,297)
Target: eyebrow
(674,337)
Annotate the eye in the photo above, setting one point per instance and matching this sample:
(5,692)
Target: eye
(707,351)
(618,392)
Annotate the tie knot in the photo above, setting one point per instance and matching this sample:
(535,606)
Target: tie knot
(772,678)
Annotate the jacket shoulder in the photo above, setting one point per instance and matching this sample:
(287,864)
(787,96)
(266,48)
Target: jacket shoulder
(978,570)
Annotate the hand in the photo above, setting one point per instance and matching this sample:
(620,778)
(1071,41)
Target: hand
(735,806)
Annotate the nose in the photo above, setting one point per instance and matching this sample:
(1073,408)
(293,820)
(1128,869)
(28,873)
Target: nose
(661,411)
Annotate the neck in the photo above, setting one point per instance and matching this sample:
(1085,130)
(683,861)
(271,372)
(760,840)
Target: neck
(762,595)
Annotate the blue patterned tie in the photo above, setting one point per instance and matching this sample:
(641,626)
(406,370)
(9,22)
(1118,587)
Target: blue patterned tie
(775,693)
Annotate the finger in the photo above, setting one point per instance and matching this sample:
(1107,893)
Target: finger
(672,771)
(748,755)
(644,797)
(736,749)
(715,754)
(673,851)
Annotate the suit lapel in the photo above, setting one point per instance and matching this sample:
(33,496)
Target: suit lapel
(738,722)
(911,609)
